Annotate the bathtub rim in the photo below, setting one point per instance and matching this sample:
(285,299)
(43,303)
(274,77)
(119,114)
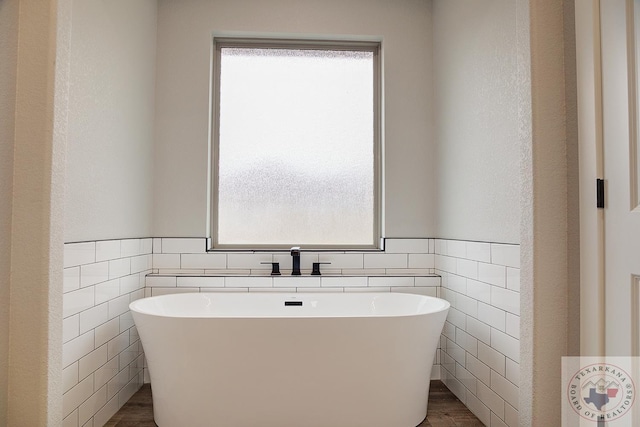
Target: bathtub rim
(445,305)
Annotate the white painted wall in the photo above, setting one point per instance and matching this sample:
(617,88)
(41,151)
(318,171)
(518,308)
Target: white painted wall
(109,188)
(184,43)
(476,122)
(8,53)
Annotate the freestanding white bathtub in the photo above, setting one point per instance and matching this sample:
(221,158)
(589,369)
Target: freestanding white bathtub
(290,360)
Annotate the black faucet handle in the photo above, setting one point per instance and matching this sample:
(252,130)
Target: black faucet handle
(316,268)
(295,262)
(275,268)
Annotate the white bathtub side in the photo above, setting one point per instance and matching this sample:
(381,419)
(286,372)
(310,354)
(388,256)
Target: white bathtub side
(280,372)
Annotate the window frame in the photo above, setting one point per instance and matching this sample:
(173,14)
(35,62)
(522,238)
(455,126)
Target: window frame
(214,134)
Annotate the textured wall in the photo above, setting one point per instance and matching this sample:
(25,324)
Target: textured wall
(547,132)
(182,122)
(35,388)
(110,149)
(526,245)
(478,152)
(8,53)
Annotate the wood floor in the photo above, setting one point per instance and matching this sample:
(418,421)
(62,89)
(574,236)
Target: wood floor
(445,410)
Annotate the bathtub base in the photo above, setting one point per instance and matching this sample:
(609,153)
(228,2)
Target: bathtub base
(307,373)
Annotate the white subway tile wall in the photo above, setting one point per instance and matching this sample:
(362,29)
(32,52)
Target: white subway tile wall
(480,344)
(179,256)
(102,355)
(478,357)
(407,265)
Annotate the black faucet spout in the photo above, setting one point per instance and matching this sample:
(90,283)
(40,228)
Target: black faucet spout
(295,255)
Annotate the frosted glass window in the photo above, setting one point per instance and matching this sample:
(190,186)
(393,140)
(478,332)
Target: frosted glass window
(296,151)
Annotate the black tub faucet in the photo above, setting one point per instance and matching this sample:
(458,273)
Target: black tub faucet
(295,254)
